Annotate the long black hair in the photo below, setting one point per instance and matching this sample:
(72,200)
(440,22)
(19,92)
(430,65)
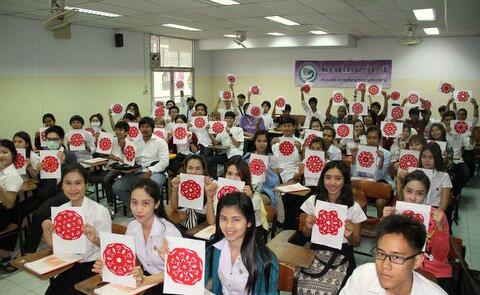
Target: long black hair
(24,135)
(199,158)
(263,132)
(8,144)
(151,188)
(346,196)
(434,148)
(242,168)
(253,251)
(440,126)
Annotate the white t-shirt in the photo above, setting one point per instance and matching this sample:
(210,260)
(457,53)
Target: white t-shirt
(355,213)
(349,143)
(439,181)
(287,164)
(237,134)
(334,153)
(309,114)
(10,180)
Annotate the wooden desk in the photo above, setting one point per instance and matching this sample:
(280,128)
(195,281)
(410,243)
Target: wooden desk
(301,193)
(95,162)
(89,285)
(20,263)
(28,186)
(293,255)
(133,170)
(191,232)
(219,148)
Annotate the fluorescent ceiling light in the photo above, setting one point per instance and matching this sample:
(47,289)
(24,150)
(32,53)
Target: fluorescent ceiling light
(431,31)
(225,2)
(318,32)
(424,14)
(276,34)
(230,36)
(282,20)
(181,27)
(91,11)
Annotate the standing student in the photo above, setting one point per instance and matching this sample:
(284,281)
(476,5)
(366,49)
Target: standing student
(229,106)
(415,121)
(132,109)
(182,150)
(332,267)
(187,106)
(238,261)
(97,219)
(48,120)
(149,230)
(398,254)
(287,167)
(10,183)
(310,110)
(77,122)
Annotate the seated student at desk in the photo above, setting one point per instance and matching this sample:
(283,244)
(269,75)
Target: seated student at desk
(331,267)
(398,253)
(182,150)
(238,261)
(77,122)
(48,120)
(97,219)
(152,155)
(22,140)
(149,230)
(10,183)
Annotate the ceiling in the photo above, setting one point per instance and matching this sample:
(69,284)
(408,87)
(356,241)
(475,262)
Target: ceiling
(360,18)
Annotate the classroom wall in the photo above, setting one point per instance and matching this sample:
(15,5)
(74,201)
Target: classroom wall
(421,67)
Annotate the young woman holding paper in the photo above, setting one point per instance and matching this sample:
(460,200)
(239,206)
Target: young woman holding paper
(182,150)
(97,219)
(22,140)
(149,229)
(415,188)
(331,264)
(238,261)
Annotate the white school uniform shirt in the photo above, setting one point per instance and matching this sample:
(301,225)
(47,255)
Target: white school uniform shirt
(203,137)
(233,277)
(267,121)
(355,213)
(349,143)
(146,251)
(439,181)
(89,141)
(97,216)
(364,280)
(10,180)
(334,153)
(309,114)
(117,150)
(288,164)
(457,142)
(256,201)
(222,112)
(155,149)
(237,134)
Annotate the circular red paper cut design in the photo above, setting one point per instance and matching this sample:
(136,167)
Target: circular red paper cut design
(90,130)
(159,112)
(117,108)
(180,132)
(416,216)
(343,130)
(255,90)
(461,127)
(180,84)
(306,88)
(337,97)
(463,96)
(426,104)
(314,164)
(407,161)
(255,111)
(77,139)
(413,98)
(119,259)
(190,189)
(397,113)
(389,129)
(446,88)
(133,132)
(286,148)
(361,86)
(105,144)
(199,122)
(43,135)
(366,159)
(227,95)
(50,164)
(184,266)
(308,140)
(395,95)
(281,102)
(328,222)
(68,225)
(257,167)
(373,89)
(129,153)
(20,161)
(231,79)
(225,190)
(357,108)
(218,127)
(160,134)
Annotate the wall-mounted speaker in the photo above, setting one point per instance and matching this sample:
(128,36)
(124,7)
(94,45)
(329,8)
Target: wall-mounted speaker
(118,40)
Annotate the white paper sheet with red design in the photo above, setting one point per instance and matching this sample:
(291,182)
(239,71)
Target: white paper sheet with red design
(20,161)
(90,130)
(442,144)
(158,112)
(76,139)
(258,167)
(52,262)
(225,186)
(374,89)
(191,191)
(418,212)
(314,163)
(254,110)
(217,127)
(68,224)
(307,87)
(361,86)
(408,158)
(231,78)
(105,143)
(180,133)
(133,131)
(395,112)
(225,95)
(179,85)
(413,97)
(287,148)
(391,129)
(337,97)
(343,130)
(366,159)
(428,172)
(280,103)
(425,104)
(160,133)
(395,94)
(43,136)
(445,87)
(311,135)
(51,165)
(184,266)
(255,89)
(199,122)
(117,289)
(118,257)
(130,153)
(117,108)
(459,126)
(329,226)
(358,108)
(463,95)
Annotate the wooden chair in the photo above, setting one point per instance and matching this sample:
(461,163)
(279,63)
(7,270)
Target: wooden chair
(118,229)
(272,219)
(359,197)
(286,277)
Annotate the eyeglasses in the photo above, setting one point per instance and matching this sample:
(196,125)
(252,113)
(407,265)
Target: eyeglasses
(394,258)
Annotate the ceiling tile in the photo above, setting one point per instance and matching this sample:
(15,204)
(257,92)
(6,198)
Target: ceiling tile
(282,7)
(346,17)
(328,5)
(386,15)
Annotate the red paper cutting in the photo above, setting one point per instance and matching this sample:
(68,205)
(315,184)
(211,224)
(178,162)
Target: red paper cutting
(133,132)
(461,127)
(343,131)
(20,161)
(190,189)
(361,86)
(446,88)
(463,96)
(357,108)
(373,89)
(43,136)
(395,95)
(366,159)
(117,108)
(255,90)
(281,102)
(413,98)
(389,129)
(314,164)
(180,133)
(308,140)
(184,266)
(306,88)
(160,134)
(119,259)
(129,153)
(397,113)
(286,148)
(337,97)
(199,122)
(257,167)
(407,161)
(417,216)
(159,112)
(227,95)
(68,225)
(426,104)
(179,84)
(328,222)
(255,111)
(77,139)
(105,144)
(50,164)
(231,79)
(225,190)
(218,127)
(90,130)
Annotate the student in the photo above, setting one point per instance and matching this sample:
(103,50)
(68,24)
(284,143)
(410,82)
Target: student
(151,154)
(359,137)
(342,113)
(250,124)
(232,137)
(149,230)
(311,110)
(415,188)
(97,219)
(77,122)
(173,112)
(238,261)
(203,136)
(437,132)
(182,150)
(462,113)
(399,143)
(195,165)
(10,183)
(169,103)
(398,254)
(331,264)
(267,118)
(375,107)
(132,109)
(414,118)
(229,106)
(288,166)
(96,123)
(333,152)
(22,140)
(188,106)
(48,120)
(241,110)
(285,113)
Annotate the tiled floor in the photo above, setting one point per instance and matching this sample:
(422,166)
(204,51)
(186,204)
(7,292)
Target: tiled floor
(468,229)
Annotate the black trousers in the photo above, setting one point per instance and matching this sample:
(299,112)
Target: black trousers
(65,282)
(212,162)
(107,185)
(8,216)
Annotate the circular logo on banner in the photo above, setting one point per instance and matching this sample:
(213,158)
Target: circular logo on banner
(307,72)
(184,266)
